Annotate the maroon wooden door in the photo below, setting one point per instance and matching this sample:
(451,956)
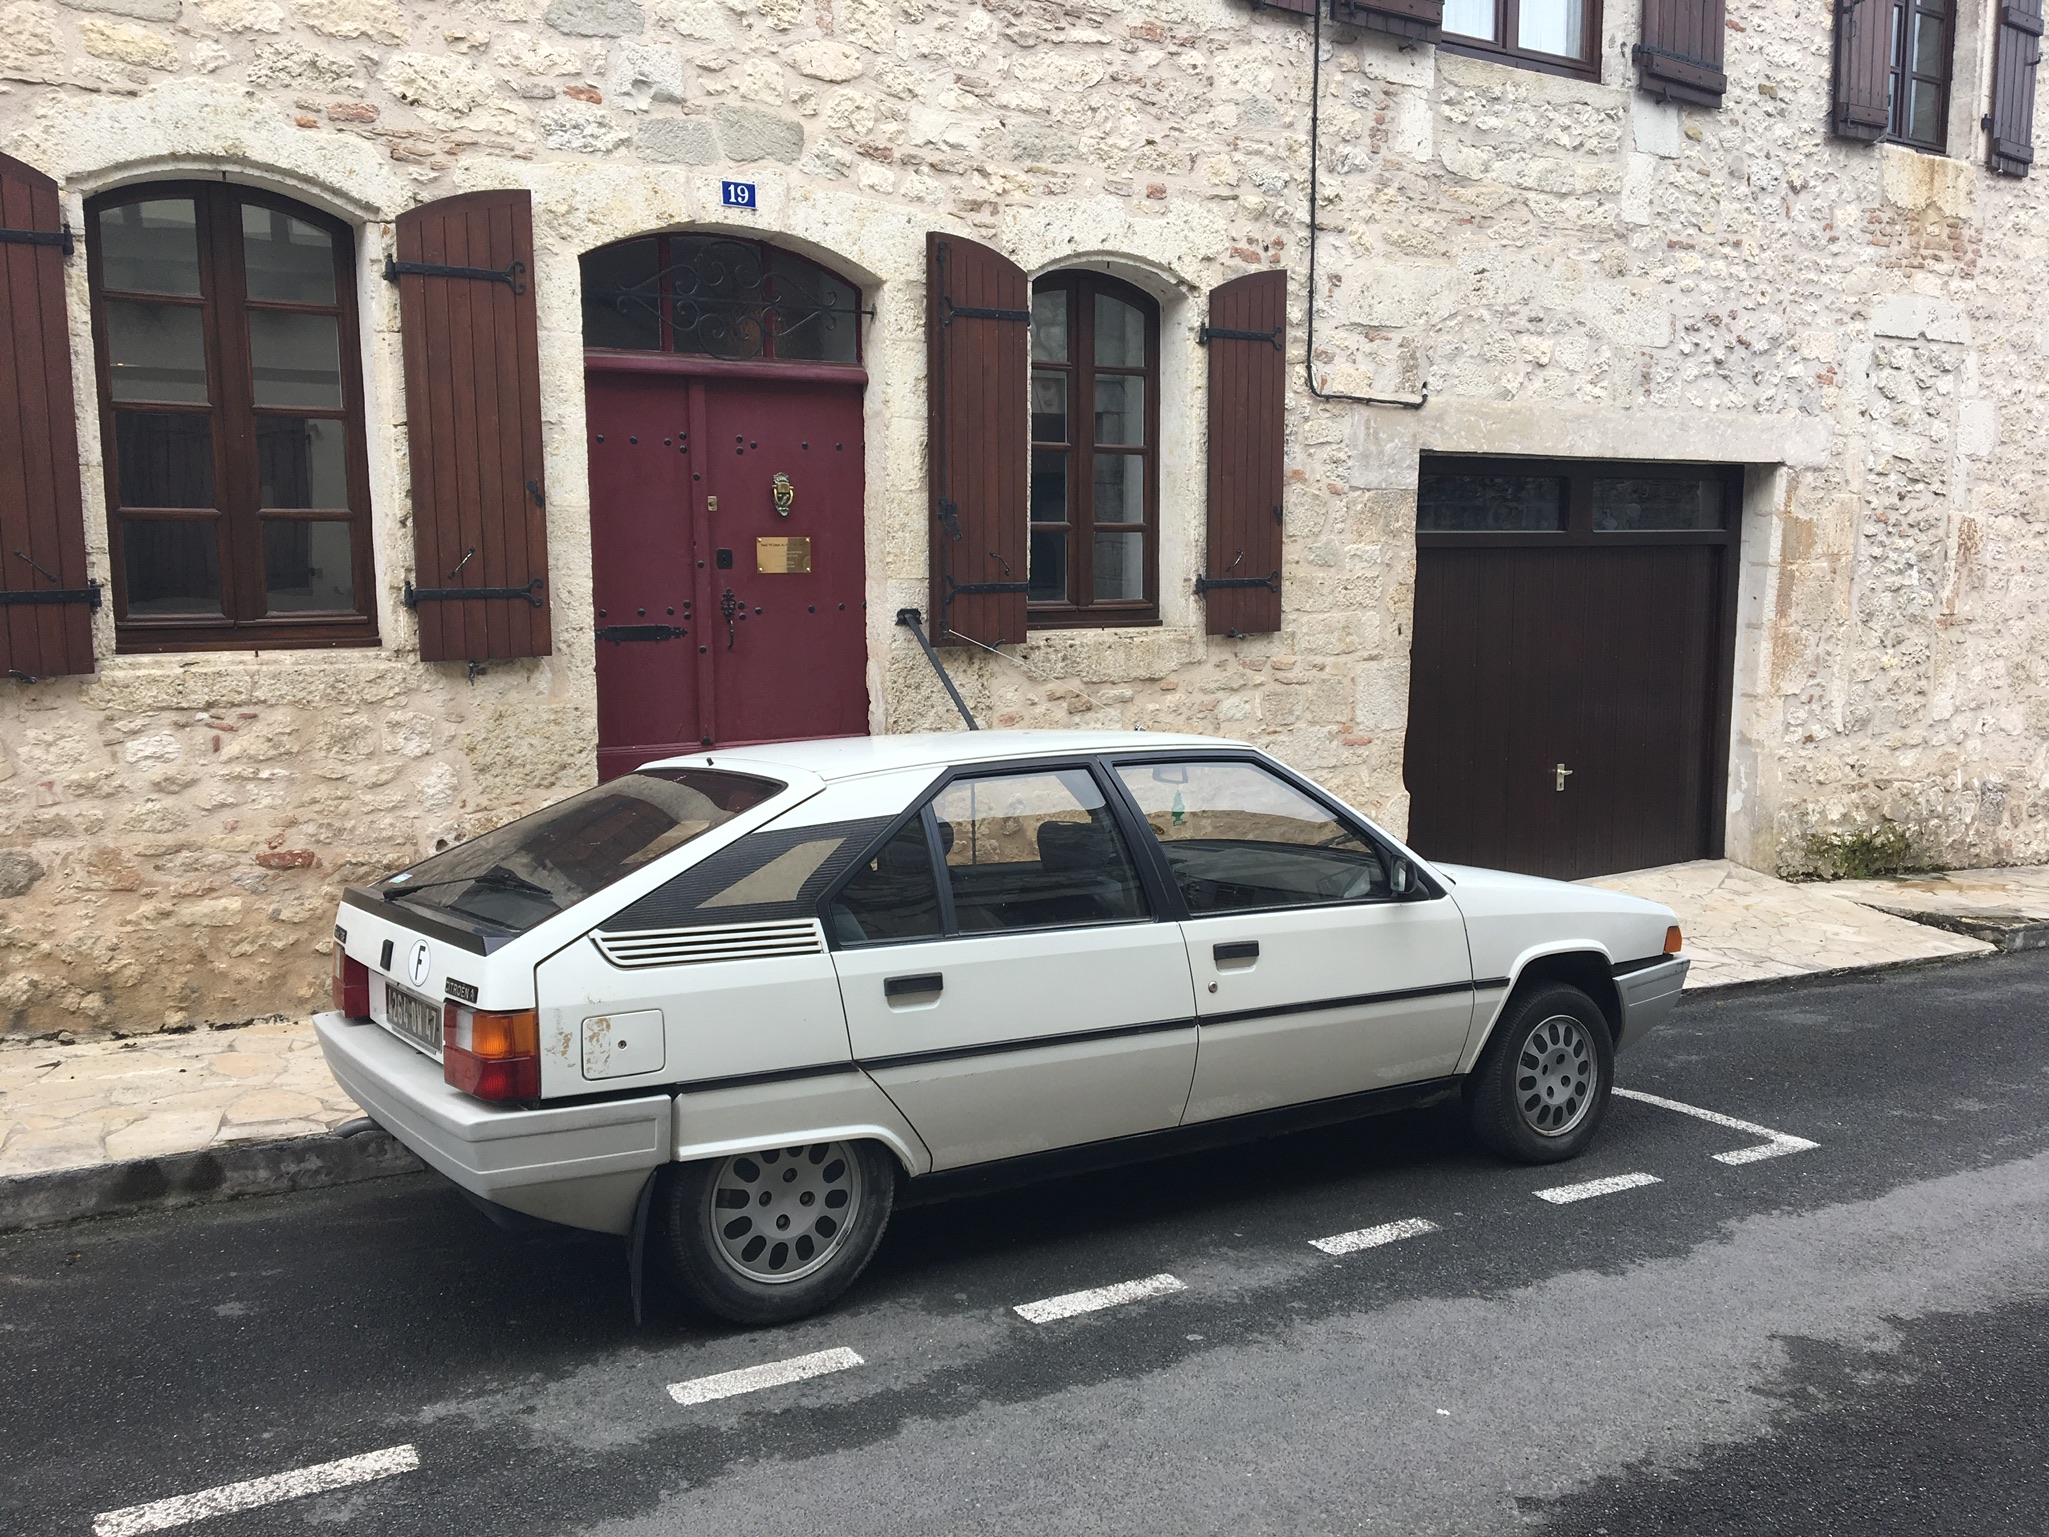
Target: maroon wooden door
(729,608)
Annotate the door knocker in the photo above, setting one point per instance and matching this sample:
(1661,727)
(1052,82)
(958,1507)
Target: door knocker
(784,494)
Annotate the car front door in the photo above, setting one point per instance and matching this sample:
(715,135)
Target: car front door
(1006,978)
(1313,978)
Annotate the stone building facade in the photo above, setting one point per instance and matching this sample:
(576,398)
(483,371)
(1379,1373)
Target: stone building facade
(1560,265)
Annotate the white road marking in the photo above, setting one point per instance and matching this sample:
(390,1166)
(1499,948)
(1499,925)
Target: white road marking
(1373,1237)
(1780,1143)
(1565,1195)
(1070,1303)
(160,1515)
(772,1374)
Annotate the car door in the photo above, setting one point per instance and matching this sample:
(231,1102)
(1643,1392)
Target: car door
(1313,978)
(1006,977)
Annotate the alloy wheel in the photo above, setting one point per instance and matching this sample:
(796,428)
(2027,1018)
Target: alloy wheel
(1556,1076)
(781,1214)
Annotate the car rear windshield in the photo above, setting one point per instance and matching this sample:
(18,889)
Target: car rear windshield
(529,870)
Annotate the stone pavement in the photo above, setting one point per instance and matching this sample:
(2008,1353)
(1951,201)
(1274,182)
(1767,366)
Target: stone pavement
(66,1109)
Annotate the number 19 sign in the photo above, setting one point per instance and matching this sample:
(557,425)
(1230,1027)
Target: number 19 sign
(738,194)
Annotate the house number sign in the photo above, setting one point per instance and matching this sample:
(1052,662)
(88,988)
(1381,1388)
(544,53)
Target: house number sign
(737,194)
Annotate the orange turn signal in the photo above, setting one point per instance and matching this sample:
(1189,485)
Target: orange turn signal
(1672,940)
(491,1054)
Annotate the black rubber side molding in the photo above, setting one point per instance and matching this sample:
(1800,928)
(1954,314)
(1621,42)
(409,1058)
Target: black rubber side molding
(906,987)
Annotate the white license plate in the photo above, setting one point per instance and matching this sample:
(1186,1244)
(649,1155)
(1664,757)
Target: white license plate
(413,1017)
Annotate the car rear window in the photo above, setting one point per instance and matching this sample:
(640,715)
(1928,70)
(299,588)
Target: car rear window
(529,870)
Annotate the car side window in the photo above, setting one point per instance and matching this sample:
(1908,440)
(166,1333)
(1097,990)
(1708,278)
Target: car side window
(1238,836)
(1035,850)
(895,896)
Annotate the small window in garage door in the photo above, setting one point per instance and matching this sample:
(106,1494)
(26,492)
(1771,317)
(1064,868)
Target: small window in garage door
(1569,688)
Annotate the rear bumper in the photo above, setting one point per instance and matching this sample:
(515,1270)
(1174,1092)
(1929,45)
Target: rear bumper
(577,1164)
(1648,997)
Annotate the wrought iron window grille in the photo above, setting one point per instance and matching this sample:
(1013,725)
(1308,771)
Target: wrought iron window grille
(721,299)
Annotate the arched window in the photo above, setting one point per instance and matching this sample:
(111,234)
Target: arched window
(715,296)
(1095,452)
(231,410)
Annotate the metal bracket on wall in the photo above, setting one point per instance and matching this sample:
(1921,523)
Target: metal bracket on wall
(510,277)
(914,621)
(415,596)
(60,238)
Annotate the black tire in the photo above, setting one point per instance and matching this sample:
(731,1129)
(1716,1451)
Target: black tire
(697,1206)
(1541,1087)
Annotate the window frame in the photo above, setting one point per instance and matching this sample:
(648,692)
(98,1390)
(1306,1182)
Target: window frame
(1579,476)
(1902,74)
(1507,24)
(1080,609)
(234,415)
(666,302)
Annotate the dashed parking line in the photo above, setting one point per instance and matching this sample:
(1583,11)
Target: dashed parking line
(770,1374)
(1565,1195)
(1779,1143)
(1068,1304)
(182,1509)
(1373,1237)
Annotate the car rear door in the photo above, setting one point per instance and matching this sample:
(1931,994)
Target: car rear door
(1007,977)
(1313,979)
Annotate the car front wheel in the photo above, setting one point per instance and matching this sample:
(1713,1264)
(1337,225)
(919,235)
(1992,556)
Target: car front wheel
(765,1237)
(1541,1086)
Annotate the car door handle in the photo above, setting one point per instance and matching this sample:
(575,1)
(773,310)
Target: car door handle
(1243,953)
(907,987)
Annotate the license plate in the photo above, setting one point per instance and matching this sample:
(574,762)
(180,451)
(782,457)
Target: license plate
(413,1017)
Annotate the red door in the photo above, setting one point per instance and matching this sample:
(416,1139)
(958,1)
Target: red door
(726,553)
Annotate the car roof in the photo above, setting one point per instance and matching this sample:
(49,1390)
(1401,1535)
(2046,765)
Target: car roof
(845,757)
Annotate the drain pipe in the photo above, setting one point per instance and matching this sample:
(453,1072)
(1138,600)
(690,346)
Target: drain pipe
(914,621)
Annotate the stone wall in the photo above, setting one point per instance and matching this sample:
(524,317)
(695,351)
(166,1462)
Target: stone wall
(1570,268)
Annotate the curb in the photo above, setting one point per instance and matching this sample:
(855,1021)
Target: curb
(1879,972)
(225,1173)
(2001,930)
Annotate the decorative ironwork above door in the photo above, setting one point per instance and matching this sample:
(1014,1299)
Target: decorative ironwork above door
(715,296)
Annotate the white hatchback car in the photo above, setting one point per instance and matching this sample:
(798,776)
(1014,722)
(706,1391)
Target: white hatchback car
(733,1002)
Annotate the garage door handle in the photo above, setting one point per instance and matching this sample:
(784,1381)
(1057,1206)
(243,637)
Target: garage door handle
(905,987)
(1241,954)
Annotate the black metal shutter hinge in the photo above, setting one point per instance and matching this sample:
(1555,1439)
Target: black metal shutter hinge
(415,596)
(57,237)
(1205,584)
(394,270)
(89,595)
(1209,334)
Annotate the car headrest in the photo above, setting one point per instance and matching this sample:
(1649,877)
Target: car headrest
(1076,846)
(904,855)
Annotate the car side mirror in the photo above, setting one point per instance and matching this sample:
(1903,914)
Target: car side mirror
(1401,877)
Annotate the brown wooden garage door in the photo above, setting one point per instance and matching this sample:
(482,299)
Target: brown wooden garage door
(1573,616)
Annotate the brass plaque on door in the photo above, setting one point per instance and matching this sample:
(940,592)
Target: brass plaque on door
(783,555)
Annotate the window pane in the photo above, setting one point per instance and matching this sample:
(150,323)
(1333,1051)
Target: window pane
(895,895)
(1470,18)
(172,565)
(1048,583)
(1049,486)
(307,565)
(1120,408)
(1028,851)
(286,258)
(1552,26)
(150,247)
(716,291)
(301,461)
(620,305)
(1120,333)
(154,352)
(1490,503)
(817,317)
(1120,567)
(1120,488)
(166,458)
(1929,26)
(1924,103)
(1237,836)
(1627,505)
(1049,407)
(296,358)
(1049,325)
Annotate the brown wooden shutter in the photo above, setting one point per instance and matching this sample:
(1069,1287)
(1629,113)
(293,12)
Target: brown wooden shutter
(1420,19)
(2011,122)
(1863,68)
(978,316)
(1680,57)
(46,601)
(464,271)
(1247,338)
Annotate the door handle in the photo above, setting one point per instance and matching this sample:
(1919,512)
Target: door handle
(908,987)
(1243,953)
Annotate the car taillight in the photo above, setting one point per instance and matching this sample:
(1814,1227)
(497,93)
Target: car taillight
(490,1054)
(351,985)
(1673,942)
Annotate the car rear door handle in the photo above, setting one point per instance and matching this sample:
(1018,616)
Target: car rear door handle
(908,987)
(1243,953)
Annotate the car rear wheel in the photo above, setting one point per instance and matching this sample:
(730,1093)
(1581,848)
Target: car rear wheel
(1541,1086)
(768,1236)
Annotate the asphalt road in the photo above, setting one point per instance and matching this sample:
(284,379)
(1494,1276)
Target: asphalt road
(1852,1338)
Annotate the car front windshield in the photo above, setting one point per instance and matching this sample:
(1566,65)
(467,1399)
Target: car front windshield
(527,871)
